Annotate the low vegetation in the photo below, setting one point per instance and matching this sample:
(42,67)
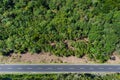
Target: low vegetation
(69,76)
(61,27)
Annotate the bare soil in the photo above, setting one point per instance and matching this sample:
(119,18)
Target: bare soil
(117,59)
(28,58)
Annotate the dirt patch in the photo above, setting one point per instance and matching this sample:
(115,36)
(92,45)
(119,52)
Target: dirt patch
(117,59)
(49,58)
(42,58)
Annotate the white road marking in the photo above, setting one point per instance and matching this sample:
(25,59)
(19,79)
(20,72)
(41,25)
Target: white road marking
(59,68)
(118,68)
(49,68)
(9,68)
(39,68)
(71,68)
(101,68)
(19,68)
(91,68)
(29,68)
(81,68)
(109,68)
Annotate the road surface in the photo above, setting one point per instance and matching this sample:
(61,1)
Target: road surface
(58,68)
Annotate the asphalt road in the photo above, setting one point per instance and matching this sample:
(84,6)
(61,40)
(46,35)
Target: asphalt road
(59,68)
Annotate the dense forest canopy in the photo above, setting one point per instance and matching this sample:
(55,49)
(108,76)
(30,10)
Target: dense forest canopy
(61,27)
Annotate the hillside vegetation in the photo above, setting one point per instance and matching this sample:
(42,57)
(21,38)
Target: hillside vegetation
(61,27)
(59,77)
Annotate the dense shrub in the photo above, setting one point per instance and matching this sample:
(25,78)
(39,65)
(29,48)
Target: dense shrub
(70,76)
(27,25)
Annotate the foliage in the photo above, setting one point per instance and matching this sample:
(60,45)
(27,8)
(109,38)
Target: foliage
(69,76)
(32,26)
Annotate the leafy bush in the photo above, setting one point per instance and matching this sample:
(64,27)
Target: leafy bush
(32,26)
(70,76)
